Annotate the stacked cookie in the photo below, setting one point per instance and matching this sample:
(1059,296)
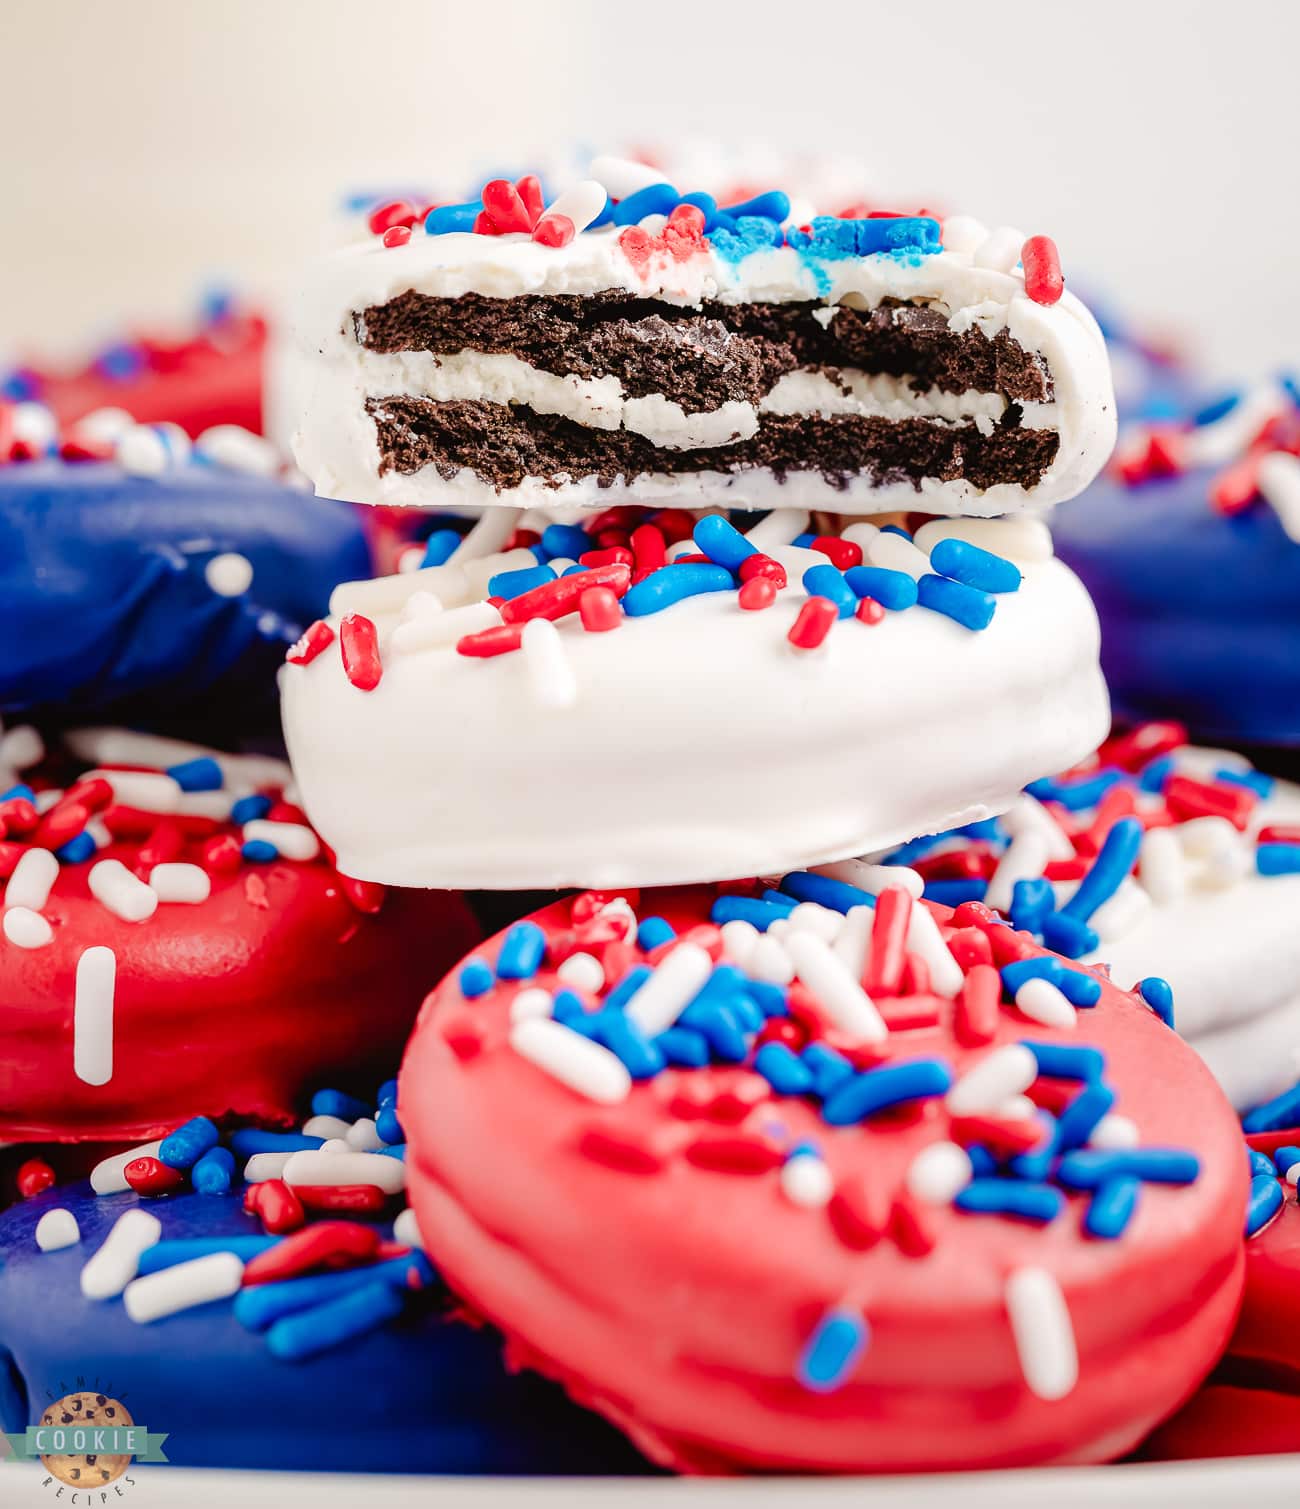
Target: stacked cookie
(795,1162)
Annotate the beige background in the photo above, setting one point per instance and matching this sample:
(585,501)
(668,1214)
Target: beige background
(151,147)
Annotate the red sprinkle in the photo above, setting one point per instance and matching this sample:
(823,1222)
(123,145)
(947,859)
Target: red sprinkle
(599,610)
(150,1176)
(843,553)
(813,624)
(554,230)
(397,235)
(62,822)
(620,1149)
(904,1013)
(1279,833)
(1006,1134)
(365,896)
(969,947)
(783,1030)
(1187,799)
(1236,487)
(488,643)
(221,854)
(1044,282)
(463,1035)
(1147,742)
(359,644)
(94,794)
(869,611)
(858,1212)
(560,597)
(616,555)
(888,951)
(764,566)
(758,592)
(34,1178)
(506,210)
(328,1244)
(164,844)
(278,1206)
(911,1225)
(396,214)
(975,1021)
(529,190)
(351,1199)
(730,1153)
(648,549)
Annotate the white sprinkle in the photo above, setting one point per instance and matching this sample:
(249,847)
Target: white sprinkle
(180,882)
(1160,866)
(47,799)
(1024,858)
(21,747)
(780,527)
(925,939)
(363,1136)
(1000,249)
(874,878)
(1028,812)
(104,424)
(291,840)
(118,1261)
(1044,1335)
(810,917)
(1114,1131)
(1204,762)
(1005,1071)
(862,533)
(421,605)
(117,889)
(239,450)
(106,1178)
(229,574)
(963,233)
(1041,1001)
(263,1166)
(33,876)
(332,1145)
(583,972)
(406,1229)
(35,426)
(676,980)
(1022,540)
(411,558)
(1016,1108)
(141,452)
(853,946)
(769,961)
(488,536)
(533,1002)
(584,1066)
(325,1126)
(1226,866)
(581,202)
(845,1002)
(379,596)
(806,1180)
(560,564)
(389,1174)
(619,176)
(621,909)
(217,1275)
(57,1229)
(27,929)
(435,630)
(738,941)
(1202,837)
(679,548)
(1122,912)
(894,553)
(550,672)
(92,1017)
(939,1173)
(150,791)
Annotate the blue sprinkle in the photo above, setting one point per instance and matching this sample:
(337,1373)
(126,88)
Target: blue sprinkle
(214,1173)
(894,590)
(1260,1163)
(1274,1115)
(77,850)
(1159,995)
(759,914)
(249,1141)
(568,1010)
(780,899)
(1284,1158)
(955,892)
(1110,869)
(1278,859)
(1155,773)
(261,1305)
(878,1089)
(975,567)
(565,539)
(653,932)
(1217,408)
(720,1028)
(833,239)
(19,793)
(804,541)
(628,986)
(1031,902)
(1111,1208)
(1063,1061)
(722,542)
(172,1250)
(983,1164)
(395,1150)
(897,529)
(833,1351)
(654,199)
(1291,387)
(745,1010)
(784,1070)
(830,582)
(120,363)
(1265,1201)
(1078,1121)
(439,548)
(388,1126)
(1078,988)
(672,584)
(522,951)
(1253,780)
(20,386)
(257,851)
(387,1093)
(771,999)
(735,239)
(1089,1168)
(836,895)
(1015,974)
(774,205)
(476,977)
(187,1144)
(323,1327)
(1067,935)
(1011,1197)
(339,1103)
(202,774)
(508,584)
(1074,796)
(683,1046)
(964,605)
(249,809)
(452,217)
(829,1068)
(625,1040)
(987,830)
(1036,1164)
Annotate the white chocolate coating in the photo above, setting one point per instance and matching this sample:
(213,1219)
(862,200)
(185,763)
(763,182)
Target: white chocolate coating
(698,743)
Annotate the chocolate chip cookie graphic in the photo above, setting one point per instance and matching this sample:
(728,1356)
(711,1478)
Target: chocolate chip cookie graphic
(85,1411)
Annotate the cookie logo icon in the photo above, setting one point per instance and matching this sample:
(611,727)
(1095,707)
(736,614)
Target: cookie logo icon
(75,1418)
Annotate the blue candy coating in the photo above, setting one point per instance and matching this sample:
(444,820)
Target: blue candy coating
(720,1028)
(1031,903)
(201,774)
(1074,796)
(387,1093)
(214,1173)
(770,998)
(1159,995)
(475,978)
(894,590)
(833,1351)
(1077,988)
(397,1150)
(773,205)
(836,895)
(439,548)
(1113,864)
(508,584)
(672,584)
(1264,1203)
(249,809)
(1253,780)
(565,539)
(833,239)
(339,1103)
(780,899)
(1011,1197)
(1015,974)
(1111,1208)
(830,582)
(1260,1163)
(878,1089)
(784,1070)
(1283,1159)
(187,1144)
(722,542)
(522,950)
(625,1040)
(830,1068)
(652,932)
(965,605)
(707,206)
(978,568)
